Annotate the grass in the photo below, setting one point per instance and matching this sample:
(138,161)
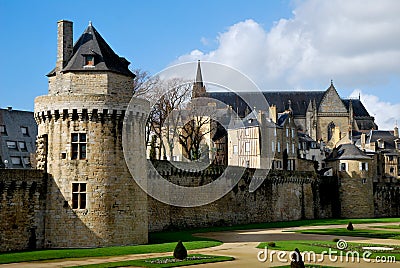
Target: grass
(297,223)
(383,234)
(319,246)
(166,241)
(164,261)
(52,254)
(386,226)
(308,266)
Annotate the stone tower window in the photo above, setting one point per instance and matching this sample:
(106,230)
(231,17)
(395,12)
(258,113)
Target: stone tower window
(78,195)
(89,60)
(3,130)
(78,146)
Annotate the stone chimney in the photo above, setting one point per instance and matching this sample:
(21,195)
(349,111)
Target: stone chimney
(272,113)
(64,43)
(396,131)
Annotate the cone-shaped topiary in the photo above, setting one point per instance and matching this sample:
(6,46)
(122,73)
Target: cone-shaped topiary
(350,226)
(180,251)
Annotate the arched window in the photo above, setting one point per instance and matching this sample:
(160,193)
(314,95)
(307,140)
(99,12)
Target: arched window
(331,128)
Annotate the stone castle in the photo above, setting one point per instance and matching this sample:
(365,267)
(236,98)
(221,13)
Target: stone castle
(91,192)
(83,195)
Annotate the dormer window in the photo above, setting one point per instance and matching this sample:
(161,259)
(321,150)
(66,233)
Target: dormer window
(381,144)
(89,60)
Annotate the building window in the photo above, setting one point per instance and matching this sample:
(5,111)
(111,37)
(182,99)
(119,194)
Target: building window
(3,130)
(364,166)
(392,170)
(22,146)
(247,147)
(16,161)
(279,146)
(78,195)
(293,148)
(331,128)
(275,132)
(343,167)
(287,132)
(273,146)
(78,145)
(89,60)
(364,181)
(27,161)
(24,131)
(235,149)
(390,157)
(287,147)
(12,145)
(292,132)
(246,131)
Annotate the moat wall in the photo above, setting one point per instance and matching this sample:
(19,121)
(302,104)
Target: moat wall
(22,209)
(284,195)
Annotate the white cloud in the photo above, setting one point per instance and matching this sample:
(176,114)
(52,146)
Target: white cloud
(386,114)
(356,43)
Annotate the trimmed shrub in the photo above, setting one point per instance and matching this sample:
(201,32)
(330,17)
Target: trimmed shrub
(350,226)
(335,239)
(180,251)
(271,244)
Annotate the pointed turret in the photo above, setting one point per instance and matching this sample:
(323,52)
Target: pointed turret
(199,90)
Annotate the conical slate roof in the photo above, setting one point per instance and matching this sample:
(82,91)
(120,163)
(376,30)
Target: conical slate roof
(105,59)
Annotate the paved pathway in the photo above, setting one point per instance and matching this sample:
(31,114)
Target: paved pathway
(242,246)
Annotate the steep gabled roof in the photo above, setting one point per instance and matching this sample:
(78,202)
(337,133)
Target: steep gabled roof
(347,152)
(358,107)
(299,100)
(105,59)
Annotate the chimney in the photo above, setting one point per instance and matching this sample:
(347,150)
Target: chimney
(363,141)
(272,113)
(396,131)
(64,43)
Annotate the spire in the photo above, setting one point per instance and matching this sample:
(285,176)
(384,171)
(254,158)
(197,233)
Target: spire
(199,90)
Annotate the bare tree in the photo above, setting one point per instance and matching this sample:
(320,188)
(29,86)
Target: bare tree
(167,97)
(198,122)
(142,82)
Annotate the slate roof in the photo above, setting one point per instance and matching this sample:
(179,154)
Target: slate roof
(358,107)
(299,102)
(385,135)
(347,152)
(105,59)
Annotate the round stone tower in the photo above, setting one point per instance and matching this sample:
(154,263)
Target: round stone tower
(92,199)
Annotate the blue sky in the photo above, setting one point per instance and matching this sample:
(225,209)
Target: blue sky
(279,44)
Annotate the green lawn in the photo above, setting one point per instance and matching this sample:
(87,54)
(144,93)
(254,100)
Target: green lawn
(386,226)
(51,254)
(308,266)
(159,262)
(356,232)
(319,246)
(166,241)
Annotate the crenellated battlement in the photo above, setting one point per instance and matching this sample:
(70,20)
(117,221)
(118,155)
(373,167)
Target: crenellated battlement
(95,108)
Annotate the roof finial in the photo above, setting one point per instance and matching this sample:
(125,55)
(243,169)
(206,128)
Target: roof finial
(90,23)
(331,82)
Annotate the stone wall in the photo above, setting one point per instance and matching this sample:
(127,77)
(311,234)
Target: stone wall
(387,199)
(22,209)
(282,196)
